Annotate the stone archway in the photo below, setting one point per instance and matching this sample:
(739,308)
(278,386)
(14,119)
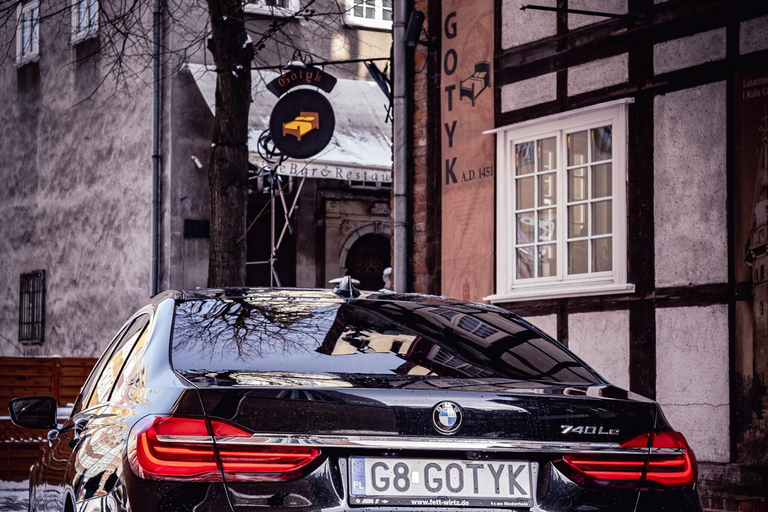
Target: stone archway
(365,259)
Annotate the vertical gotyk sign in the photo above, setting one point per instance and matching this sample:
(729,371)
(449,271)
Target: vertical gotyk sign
(467,155)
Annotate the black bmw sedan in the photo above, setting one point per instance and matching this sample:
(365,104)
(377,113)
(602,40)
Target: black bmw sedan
(238,400)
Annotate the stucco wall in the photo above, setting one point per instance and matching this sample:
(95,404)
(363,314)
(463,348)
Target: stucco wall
(692,376)
(547,323)
(609,6)
(690,186)
(520,27)
(602,340)
(529,92)
(598,74)
(75,199)
(689,51)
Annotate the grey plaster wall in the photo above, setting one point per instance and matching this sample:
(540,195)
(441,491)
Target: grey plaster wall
(188,127)
(598,74)
(692,376)
(690,186)
(580,20)
(520,27)
(75,198)
(529,92)
(753,35)
(547,323)
(689,51)
(602,340)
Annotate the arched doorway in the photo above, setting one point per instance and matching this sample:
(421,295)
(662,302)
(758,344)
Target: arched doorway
(367,259)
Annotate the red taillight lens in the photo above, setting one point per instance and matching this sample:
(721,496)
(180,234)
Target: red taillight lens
(668,468)
(175,448)
(666,460)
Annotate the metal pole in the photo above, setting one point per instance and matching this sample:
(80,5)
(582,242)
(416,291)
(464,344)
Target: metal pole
(402,141)
(157,21)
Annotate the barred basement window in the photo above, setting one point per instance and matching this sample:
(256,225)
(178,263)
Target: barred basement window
(32,307)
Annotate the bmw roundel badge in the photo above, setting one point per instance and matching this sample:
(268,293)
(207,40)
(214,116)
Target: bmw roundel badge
(447,417)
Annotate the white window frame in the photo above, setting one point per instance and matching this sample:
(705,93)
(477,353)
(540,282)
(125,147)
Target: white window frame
(510,289)
(261,7)
(378,22)
(34,54)
(92,29)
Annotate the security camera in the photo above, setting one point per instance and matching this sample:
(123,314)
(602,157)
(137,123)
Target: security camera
(197,162)
(413,31)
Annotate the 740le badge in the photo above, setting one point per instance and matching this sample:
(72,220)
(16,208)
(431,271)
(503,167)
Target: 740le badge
(591,429)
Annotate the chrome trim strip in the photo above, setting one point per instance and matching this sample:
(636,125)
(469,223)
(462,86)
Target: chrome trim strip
(372,442)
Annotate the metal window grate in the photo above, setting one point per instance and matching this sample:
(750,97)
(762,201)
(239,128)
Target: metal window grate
(32,307)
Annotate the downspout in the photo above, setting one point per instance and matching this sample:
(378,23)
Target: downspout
(157,21)
(403,127)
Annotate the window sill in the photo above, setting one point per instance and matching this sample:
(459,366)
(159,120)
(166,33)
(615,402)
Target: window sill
(275,12)
(366,23)
(27,59)
(83,36)
(560,292)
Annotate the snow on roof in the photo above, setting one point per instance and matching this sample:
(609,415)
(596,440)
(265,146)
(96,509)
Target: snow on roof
(362,137)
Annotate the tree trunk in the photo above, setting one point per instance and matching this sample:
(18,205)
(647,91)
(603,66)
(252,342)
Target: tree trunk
(228,170)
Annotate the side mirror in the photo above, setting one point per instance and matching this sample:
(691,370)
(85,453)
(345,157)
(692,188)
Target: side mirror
(33,412)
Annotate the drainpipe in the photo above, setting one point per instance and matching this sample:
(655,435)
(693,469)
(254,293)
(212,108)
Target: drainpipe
(403,126)
(157,21)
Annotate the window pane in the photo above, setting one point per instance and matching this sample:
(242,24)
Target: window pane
(24,33)
(525,263)
(602,143)
(601,218)
(358,11)
(577,221)
(577,257)
(577,148)
(94,12)
(524,157)
(525,194)
(577,184)
(387,10)
(601,180)
(548,189)
(547,154)
(35,19)
(602,254)
(82,14)
(547,225)
(547,260)
(525,228)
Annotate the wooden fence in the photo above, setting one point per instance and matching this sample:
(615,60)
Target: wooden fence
(59,377)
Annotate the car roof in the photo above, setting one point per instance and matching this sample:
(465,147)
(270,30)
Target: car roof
(325,294)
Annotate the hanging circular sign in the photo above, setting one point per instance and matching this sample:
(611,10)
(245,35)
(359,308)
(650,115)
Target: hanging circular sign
(302,123)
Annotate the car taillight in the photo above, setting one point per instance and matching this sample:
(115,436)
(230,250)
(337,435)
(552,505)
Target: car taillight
(178,448)
(664,459)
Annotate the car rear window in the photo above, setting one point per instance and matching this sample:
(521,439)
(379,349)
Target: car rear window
(322,337)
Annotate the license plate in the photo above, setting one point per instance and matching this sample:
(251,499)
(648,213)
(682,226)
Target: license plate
(439,482)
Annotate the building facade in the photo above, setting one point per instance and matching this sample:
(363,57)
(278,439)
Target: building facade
(603,174)
(77,163)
